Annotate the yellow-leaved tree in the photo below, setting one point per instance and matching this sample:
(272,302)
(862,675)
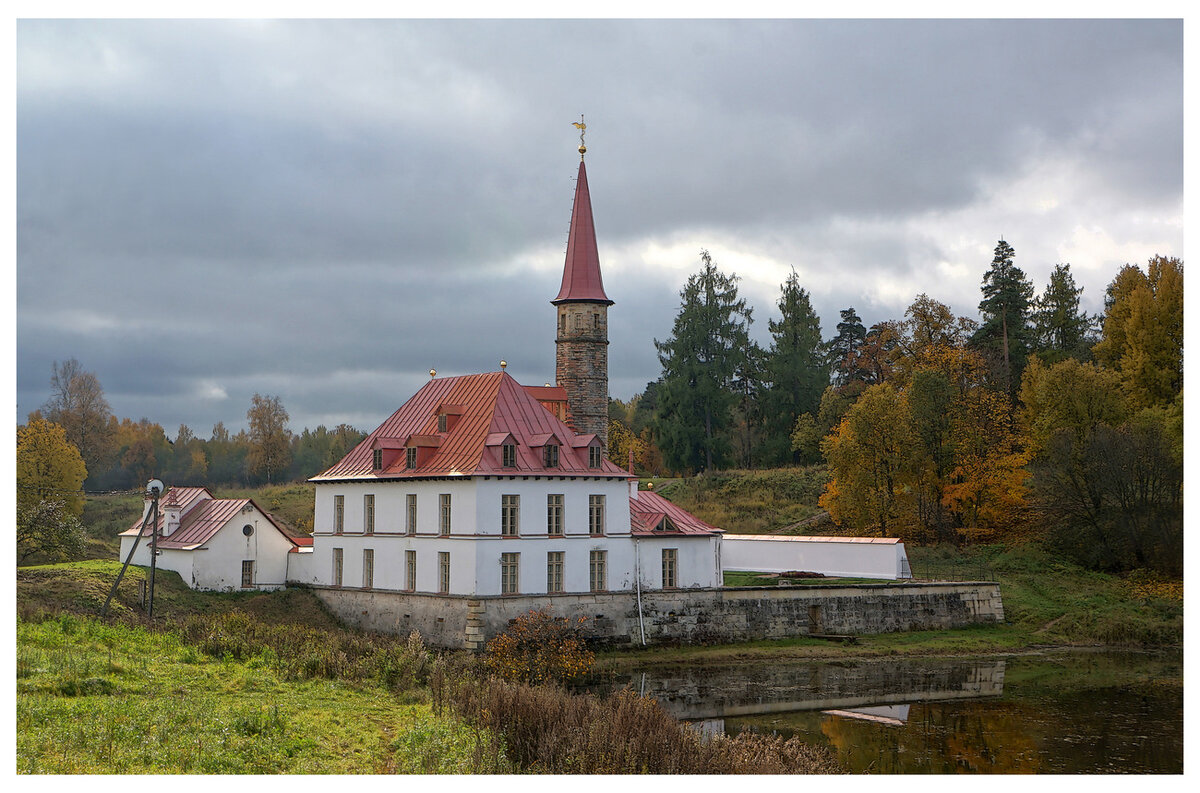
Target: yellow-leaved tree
(49,467)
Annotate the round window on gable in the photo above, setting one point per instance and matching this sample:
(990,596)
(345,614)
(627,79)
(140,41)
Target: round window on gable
(247,530)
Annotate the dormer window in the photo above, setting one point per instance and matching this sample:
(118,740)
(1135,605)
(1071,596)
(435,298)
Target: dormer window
(594,457)
(377,459)
(665,525)
(441,422)
(410,457)
(550,455)
(508,455)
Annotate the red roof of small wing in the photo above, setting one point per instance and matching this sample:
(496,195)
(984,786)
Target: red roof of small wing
(648,509)
(493,404)
(581,274)
(201,518)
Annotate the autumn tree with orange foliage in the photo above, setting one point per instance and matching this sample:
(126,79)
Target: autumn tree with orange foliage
(934,457)
(540,648)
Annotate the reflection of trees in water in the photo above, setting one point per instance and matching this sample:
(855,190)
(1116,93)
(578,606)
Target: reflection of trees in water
(965,737)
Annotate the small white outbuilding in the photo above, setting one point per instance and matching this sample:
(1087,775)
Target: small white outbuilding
(215,543)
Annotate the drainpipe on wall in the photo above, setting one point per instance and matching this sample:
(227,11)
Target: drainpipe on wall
(637,572)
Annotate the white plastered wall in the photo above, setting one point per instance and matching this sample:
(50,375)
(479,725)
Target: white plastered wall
(828,556)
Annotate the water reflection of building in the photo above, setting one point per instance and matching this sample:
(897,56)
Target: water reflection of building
(714,694)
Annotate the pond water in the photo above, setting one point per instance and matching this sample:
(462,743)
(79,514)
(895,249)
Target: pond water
(1067,712)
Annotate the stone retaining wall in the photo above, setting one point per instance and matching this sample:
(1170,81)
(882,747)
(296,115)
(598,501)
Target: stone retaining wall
(685,616)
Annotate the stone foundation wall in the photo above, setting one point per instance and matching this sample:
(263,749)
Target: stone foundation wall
(684,616)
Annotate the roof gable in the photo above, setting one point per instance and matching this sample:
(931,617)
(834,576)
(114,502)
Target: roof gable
(650,514)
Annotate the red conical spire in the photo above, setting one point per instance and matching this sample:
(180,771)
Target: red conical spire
(581,280)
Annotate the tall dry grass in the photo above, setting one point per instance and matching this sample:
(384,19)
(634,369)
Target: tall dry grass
(549,730)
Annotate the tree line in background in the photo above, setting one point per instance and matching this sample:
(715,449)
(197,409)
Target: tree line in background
(119,454)
(1038,420)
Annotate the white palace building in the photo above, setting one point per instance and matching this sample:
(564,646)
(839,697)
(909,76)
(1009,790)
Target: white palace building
(481,498)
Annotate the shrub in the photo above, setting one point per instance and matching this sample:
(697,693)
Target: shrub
(546,729)
(538,648)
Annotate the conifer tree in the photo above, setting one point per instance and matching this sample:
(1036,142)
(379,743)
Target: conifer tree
(1005,333)
(796,368)
(845,349)
(1060,328)
(700,362)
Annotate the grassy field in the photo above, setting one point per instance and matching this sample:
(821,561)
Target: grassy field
(750,502)
(103,698)
(267,683)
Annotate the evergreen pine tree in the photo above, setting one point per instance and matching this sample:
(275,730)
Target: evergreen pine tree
(1060,328)
(1004,336)
(700,363)
(796,368)
(845,347)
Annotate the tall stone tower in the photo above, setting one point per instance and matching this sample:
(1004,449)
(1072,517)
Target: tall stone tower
(581,346)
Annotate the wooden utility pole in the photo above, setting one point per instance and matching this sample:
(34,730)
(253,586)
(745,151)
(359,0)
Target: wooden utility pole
(154,488)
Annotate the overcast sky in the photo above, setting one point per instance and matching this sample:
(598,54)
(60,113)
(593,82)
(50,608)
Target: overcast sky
(324,210)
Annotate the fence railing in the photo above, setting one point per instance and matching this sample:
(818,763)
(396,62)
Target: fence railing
(947,570)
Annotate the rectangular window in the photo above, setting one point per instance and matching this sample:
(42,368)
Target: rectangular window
(670,559)
(554,515)
(562,324)
(410,457)
(377,459)
(369,514)
(510,569)
(410,520)
(554,571)
(368,568)
(337,566)
(596,515)
(594,457)
(444,521)
(550,456)
(444,572)
(598,571)
(441,422)
(248,573)
(510,515)
(339,514)
(509,454)
(410,570)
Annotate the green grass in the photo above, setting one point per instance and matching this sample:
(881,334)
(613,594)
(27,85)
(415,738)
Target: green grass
(750,502)
(117,699)
(105,517)
(291,502)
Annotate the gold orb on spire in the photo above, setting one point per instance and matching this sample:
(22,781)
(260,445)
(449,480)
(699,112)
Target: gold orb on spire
(432,373)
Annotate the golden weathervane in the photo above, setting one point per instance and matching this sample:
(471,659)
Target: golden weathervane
(579,125)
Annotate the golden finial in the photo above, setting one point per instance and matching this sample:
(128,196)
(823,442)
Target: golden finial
(432,373)
(579,125)
(503,363)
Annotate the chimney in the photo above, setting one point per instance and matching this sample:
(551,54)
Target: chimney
(172,512)
(633,489)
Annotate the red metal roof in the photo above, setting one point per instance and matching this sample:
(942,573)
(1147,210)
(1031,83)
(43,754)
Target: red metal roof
(201,517)
(494,404)
(647,511)
(581,280)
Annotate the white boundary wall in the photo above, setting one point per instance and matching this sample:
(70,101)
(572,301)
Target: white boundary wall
(846,557)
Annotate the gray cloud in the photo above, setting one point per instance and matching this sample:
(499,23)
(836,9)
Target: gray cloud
(324,209)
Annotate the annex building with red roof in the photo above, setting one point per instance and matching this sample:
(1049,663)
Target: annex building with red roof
(215,543)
